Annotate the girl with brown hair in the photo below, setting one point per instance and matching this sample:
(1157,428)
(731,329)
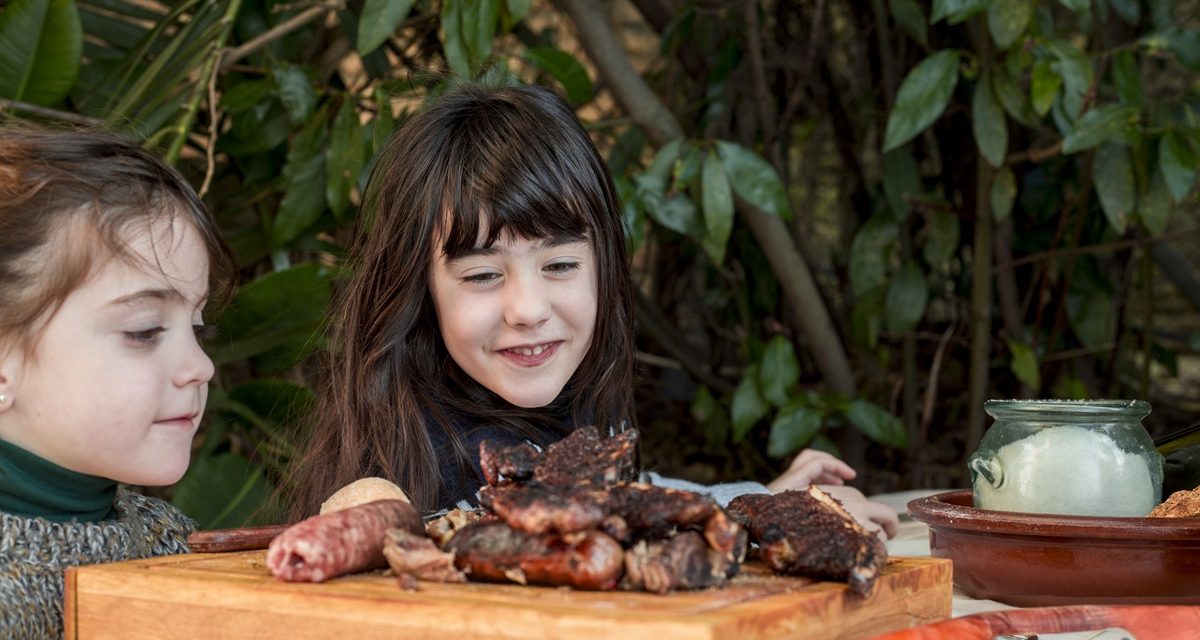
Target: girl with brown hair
(491,298)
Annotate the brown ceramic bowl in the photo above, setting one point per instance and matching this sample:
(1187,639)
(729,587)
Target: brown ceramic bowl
(1030,559)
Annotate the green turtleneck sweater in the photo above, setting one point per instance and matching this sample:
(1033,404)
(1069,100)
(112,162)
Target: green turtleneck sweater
(33,487)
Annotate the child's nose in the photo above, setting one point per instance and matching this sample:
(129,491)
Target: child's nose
(195,368)
(528,303)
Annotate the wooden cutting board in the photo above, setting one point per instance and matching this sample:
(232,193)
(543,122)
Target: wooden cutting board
(232,595)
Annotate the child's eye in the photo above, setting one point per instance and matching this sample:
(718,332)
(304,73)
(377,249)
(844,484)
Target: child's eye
(481,278)
(562,267)
(145,337)
(204,332)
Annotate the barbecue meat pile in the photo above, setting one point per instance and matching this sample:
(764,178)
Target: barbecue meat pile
(809,533)
(572,515)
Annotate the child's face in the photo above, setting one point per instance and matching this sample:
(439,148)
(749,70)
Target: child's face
(518,317)
(117,382)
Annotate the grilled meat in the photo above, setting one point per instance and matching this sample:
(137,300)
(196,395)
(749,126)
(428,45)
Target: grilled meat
(495,552)
(809,533)
(416,556)
(684,561)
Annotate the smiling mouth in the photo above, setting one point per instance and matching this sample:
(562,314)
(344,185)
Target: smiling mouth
(531,356)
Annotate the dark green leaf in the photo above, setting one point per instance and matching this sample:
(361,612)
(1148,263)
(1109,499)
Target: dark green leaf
(664,161)
(900,179)
(278,402)
(717,198)
(479,21)
(516,10)
(779,371)
(1008,19)
(626,150)
(1044,84)
(1078,6)
(1004,194)
(295,92)
(345,159)
(245,95)
(1015,100)
(304,183)
(1024,364)
(907,296)
(41,42)
(748,406)
(1154,204)
(1076,70)
(566,69)
(1113,174)
(988,122)
(1177,163)
(911,19)
(378,20)
(1185,44)
(222,491)
(677,213)
(385,121)
(276,310)
(1111,122)
(869,253)
(1127,78)
(454,38)
(941,240)
(793,428)
(754,179)
(956,11)
(922,97)
(866,319)
(876,423)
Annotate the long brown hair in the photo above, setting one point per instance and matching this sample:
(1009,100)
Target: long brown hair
(520,155)
(53,181)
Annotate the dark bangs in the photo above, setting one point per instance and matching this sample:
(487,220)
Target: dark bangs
(510,173)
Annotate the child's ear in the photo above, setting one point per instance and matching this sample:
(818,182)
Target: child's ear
(10,362)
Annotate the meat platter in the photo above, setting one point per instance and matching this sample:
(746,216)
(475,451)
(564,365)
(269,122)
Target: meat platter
(233,595)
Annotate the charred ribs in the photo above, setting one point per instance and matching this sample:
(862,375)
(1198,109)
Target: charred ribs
(809,533)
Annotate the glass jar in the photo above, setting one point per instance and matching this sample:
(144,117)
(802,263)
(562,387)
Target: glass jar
(1077,457)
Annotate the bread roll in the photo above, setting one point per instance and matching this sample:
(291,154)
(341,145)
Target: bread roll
(361,492)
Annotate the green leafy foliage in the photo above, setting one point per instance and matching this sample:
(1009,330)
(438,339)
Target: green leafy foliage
(907,295)
(793,428)
(910,17)
(1004,194)
(988,123)
(778,371)
(41,42)
(1177,163)
(1024,364)
(378,20)
(1008,19)
(922,98)
(754,179)
(1115,184)
(1110,122)
(876,423)
(717,197)
(748,405)
(566,70)
(223,491)
(869,254)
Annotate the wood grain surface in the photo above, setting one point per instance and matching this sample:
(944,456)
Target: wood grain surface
(232,595)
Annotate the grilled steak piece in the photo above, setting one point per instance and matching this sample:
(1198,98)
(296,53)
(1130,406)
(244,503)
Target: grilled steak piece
(809,533)
(416,556)
(538,509)
(339,542)
(495,552)
(684,561)
(652,511)
(502,464)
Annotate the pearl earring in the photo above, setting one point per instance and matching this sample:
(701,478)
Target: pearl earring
(3,398)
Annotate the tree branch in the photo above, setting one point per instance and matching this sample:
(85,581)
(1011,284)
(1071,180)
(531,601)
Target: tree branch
(274,33)
(772,234)
(53,114)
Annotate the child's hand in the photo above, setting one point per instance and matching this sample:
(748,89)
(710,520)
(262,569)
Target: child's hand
(872,515)
(812,467)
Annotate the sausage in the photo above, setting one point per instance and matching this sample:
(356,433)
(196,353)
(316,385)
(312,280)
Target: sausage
(495,552)
(339,542)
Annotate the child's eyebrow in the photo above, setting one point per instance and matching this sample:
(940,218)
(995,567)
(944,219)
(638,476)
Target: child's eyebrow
(545,243)
(172,295)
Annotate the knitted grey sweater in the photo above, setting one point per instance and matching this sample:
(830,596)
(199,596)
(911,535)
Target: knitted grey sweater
(34,552)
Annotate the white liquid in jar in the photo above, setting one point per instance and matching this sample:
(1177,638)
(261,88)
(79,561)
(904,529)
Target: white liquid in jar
(1069,470)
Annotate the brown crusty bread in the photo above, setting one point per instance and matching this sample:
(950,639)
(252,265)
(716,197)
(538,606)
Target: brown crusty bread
(1181,504)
